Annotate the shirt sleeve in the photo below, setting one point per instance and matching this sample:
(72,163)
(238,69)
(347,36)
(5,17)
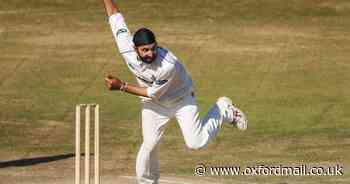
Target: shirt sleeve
(162,83)
(121,33)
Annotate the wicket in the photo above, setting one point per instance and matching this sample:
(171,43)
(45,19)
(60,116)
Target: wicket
(87,143)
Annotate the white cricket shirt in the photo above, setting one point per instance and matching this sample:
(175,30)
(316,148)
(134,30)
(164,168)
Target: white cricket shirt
(166,79)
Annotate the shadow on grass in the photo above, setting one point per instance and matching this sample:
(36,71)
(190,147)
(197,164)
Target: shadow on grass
(37,160)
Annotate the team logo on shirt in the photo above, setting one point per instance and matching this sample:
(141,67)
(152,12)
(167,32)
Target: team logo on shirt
(123,30)
(144,80)
(160,82)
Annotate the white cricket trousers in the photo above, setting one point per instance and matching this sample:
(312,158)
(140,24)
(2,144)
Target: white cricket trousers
(197,133)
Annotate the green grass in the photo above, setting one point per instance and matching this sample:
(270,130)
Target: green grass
(284,63)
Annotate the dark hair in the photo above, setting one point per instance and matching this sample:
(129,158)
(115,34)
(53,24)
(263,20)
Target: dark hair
(143,36)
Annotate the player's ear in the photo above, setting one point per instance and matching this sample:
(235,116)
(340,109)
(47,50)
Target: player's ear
(137,50)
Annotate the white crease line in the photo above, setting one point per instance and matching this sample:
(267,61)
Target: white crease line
(161,180)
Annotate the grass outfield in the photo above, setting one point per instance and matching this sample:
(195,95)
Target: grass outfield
(285,63)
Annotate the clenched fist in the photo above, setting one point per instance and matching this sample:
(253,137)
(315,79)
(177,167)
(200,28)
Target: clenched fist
(113,83)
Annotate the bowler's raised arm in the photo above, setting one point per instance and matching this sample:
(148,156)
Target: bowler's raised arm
(111,7)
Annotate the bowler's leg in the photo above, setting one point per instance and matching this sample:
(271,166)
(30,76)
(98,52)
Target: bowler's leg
(197,132)
(147,163)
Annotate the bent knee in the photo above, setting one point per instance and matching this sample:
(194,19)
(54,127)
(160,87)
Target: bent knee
(196,145)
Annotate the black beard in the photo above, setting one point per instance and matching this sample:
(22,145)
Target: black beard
(145,60)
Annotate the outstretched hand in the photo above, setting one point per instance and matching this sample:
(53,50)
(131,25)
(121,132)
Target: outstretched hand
(113,83)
